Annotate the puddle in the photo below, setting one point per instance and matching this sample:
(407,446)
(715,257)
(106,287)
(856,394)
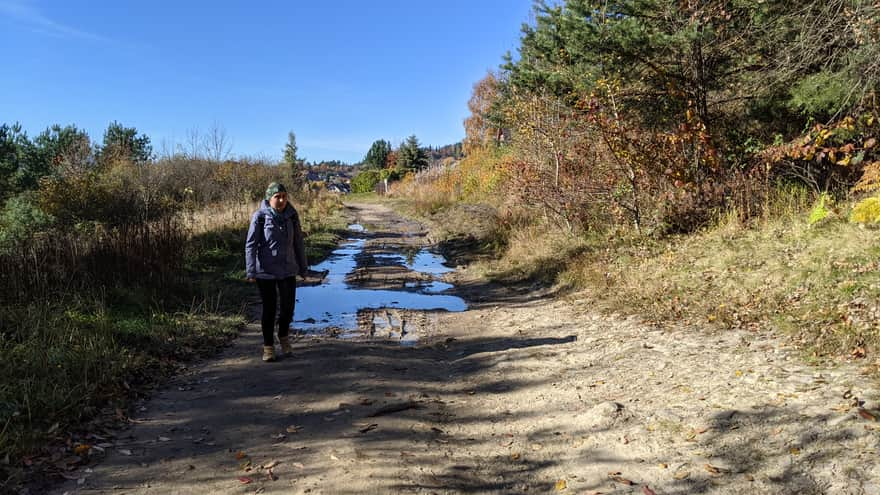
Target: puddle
(349,311)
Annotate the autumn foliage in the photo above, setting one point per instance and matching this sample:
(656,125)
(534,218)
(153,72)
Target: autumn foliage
(663,116)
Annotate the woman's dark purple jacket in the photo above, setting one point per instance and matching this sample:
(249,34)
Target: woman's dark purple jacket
(274,249)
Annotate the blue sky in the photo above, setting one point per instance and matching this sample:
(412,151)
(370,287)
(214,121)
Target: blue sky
(340,74)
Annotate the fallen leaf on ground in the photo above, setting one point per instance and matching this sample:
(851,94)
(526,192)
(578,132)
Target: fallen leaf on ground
(81,449)
(561,485)
(245,480)
(333,456)
(240,455)
(713,470)
(515,456)
(867,415)
(681,475)
(270,465)
(294,429)
(795,451)
(616,476)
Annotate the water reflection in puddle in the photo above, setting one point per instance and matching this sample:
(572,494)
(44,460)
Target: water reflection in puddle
(335,303)
(422,261)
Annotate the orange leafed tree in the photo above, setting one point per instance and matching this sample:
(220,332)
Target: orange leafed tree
(478,128)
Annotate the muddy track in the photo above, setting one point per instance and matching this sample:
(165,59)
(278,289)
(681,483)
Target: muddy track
(523,393)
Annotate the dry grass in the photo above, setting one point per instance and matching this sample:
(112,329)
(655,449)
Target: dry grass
(535,252)
(73,352)
(820,285)
(220,216)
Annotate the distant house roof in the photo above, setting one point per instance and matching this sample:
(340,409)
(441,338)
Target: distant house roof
(339,188)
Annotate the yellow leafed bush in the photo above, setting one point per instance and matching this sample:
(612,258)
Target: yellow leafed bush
(866,211)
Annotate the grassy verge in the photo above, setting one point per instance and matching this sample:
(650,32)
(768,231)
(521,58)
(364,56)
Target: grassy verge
(466,233)
(324,224)
(819,285)
(73,365)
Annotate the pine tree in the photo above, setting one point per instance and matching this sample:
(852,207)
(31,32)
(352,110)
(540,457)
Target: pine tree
(293,163)
(411,156)
(378,154)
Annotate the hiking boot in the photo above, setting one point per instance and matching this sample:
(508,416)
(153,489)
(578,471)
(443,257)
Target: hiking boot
(268,353)
(286,348)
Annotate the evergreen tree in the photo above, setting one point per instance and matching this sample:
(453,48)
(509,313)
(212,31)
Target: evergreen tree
(378,154)
(294,163)
(411,156)
(124,143)
(13,152)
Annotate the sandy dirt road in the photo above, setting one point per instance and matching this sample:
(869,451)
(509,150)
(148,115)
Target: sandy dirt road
(525,392)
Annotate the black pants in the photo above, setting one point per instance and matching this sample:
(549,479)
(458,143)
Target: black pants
(269,291)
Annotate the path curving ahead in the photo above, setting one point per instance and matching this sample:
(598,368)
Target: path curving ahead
(522,393)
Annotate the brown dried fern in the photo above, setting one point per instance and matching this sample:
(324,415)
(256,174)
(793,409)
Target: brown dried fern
(870,180)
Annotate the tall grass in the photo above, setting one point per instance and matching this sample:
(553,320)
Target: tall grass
(92,315)
(760,264)
(819,284)
(60,261)
(77,355)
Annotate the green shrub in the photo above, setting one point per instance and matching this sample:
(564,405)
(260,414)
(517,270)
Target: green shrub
(21,218)
(365,181)
(866,211)
(821,93)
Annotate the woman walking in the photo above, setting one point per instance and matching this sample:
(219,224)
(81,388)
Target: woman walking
(275,255)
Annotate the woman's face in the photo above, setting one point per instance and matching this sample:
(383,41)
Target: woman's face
(278,201)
